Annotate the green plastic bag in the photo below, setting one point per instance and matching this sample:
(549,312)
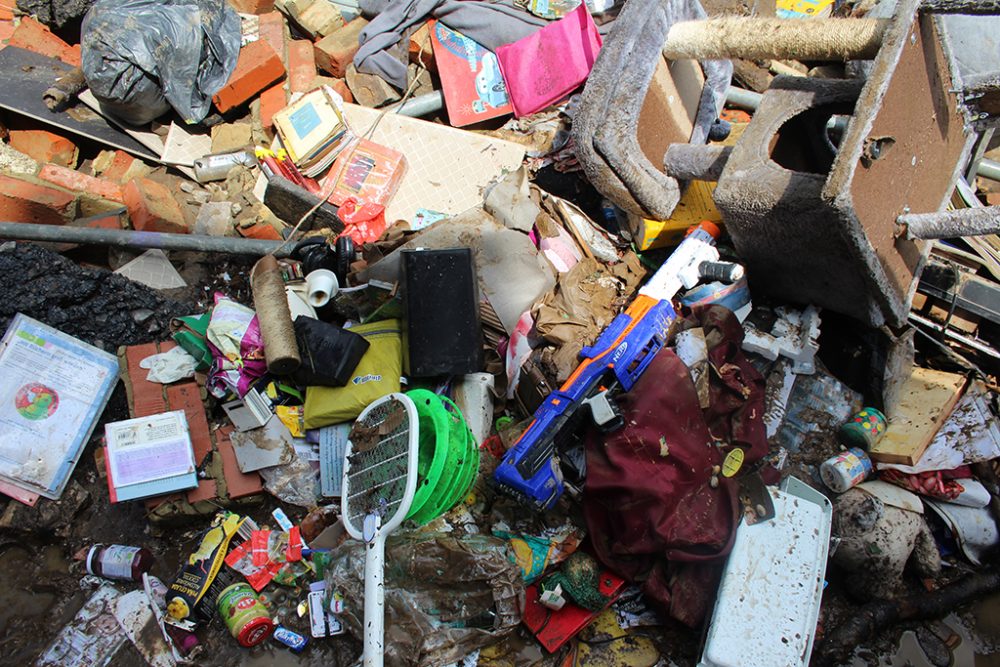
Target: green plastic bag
(189,332)
(377,375)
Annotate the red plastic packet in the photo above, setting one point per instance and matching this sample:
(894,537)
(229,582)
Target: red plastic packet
(364,221)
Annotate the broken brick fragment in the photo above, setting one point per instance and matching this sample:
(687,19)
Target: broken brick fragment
(252,6)
(22,200)
(152,208)
(335,52)
(257,68)
(119,167)
(33,36)
(44,146)
(272,101)
(80,182)
(301,65)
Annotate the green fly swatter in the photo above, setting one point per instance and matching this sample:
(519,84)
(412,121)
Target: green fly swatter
(380,476)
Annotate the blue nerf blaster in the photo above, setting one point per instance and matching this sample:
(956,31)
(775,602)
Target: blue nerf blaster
(530,470)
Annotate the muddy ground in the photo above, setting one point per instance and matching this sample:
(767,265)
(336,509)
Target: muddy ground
(40,583)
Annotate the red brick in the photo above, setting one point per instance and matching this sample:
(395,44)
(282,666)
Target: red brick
(260,231)
(152,208)
(33,36)
(338,85)
(80,182)
(186,396)
(45,146)
(272,100)
(238,484)
(6,27)
(335,52)
(252,6)
(119,167)
(207,490)
(301,65)
(272,30)
(147,397)
(257,68)
(26,201)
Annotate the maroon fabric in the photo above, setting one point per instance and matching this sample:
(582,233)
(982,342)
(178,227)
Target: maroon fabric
(647,498)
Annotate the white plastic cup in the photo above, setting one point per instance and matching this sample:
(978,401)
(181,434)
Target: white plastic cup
(321,286)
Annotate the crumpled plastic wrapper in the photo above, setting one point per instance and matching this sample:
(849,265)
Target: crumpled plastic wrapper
(170,366)
(445,596)
(296,483)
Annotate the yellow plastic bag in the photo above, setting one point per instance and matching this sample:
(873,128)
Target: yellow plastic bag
(377,374)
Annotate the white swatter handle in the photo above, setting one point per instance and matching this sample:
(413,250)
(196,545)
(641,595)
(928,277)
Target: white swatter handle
(374,601)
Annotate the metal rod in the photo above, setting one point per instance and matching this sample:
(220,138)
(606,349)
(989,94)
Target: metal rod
(421,105)
(989,169)
(952,224)
(125,238)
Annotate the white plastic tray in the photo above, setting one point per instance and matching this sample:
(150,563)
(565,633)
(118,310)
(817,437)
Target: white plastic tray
(769,597)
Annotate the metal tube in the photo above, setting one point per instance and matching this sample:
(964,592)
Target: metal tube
(126,238)
(989,169)
(952,224)
(745,99)
(420,105)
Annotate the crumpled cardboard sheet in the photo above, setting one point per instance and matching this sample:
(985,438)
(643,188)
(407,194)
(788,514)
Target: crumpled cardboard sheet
(584,302)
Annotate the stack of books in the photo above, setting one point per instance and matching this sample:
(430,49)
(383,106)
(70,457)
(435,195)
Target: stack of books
(313,130)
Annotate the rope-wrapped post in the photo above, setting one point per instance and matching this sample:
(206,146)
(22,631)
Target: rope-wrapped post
(977,7)
(766,38)
(951,224)
(281,351)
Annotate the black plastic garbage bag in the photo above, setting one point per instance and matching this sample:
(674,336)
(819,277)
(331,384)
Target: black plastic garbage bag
(141,57)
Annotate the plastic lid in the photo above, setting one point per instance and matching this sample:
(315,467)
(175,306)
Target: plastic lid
(711,228)
(255,631)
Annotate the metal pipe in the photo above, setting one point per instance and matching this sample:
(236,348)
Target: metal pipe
(951,224)
(989,169)
(126,238)
(745,99)
(421,105)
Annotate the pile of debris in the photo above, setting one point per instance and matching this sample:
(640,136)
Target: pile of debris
(606,361)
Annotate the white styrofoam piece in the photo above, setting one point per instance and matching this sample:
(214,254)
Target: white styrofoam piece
(769,598)
(795,335)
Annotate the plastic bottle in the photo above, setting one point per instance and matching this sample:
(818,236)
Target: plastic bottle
(119,562)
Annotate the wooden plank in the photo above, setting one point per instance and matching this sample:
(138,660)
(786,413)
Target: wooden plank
(27,75)
(926,400)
